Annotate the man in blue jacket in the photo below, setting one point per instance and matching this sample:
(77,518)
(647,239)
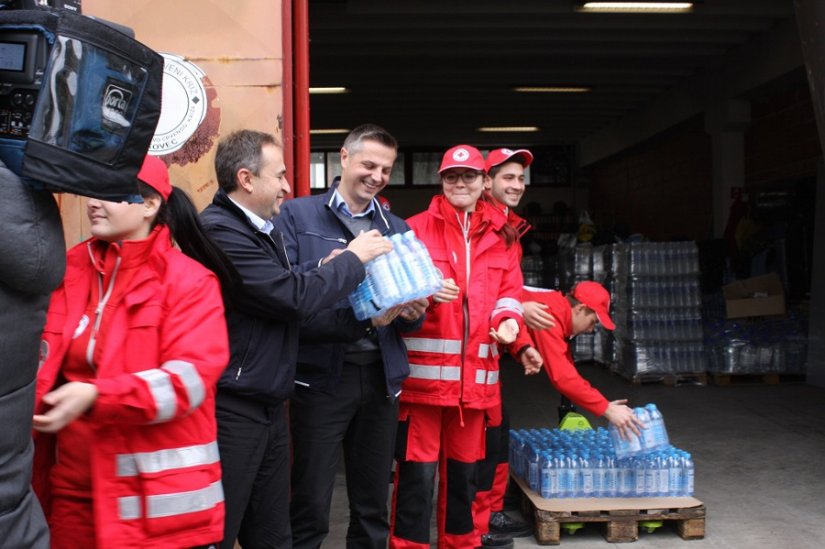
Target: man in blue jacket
(264,311)
(348,381)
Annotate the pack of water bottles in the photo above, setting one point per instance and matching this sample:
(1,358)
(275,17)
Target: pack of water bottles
(657,308)
(404,274)
(557,463)
(654,435)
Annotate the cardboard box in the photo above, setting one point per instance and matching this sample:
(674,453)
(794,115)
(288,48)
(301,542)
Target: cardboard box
(758,296)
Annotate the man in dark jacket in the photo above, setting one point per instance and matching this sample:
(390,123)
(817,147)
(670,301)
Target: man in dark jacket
(264,311)
(348,381)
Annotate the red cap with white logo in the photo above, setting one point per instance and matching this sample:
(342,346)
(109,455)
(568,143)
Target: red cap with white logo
(462,156)
(500,156)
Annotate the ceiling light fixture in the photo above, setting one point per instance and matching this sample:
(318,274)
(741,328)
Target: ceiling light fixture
(492,129)
(327,90)
(551,89)
(328,131)
(637,7)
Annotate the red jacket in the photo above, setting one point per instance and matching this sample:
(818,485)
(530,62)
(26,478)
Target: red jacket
(554,347)
(155,469)
(452,358)
(521,226)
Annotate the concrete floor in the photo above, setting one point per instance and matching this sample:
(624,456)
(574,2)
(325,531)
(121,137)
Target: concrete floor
(759,452)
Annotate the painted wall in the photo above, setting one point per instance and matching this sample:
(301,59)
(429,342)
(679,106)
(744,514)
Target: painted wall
(237,45)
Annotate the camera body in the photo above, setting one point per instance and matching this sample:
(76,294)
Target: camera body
(79,100)
(23,57)
(71,5)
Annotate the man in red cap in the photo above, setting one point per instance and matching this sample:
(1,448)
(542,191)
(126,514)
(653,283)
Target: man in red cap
(551,317)
(552,320)
(504,184)
(578,313)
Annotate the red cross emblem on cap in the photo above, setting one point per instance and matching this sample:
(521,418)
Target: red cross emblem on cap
(461,155)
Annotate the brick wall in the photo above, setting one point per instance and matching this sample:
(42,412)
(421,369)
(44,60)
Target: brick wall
(661,188)
(781,142)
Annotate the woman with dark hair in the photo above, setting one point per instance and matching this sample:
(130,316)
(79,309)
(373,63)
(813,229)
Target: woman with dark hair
(135,340)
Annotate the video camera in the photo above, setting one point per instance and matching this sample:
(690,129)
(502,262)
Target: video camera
(79,99)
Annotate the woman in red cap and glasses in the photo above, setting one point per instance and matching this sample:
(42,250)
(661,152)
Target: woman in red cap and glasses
(135,340)
(453,381)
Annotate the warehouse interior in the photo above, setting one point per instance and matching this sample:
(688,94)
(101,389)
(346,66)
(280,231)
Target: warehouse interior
(664,127)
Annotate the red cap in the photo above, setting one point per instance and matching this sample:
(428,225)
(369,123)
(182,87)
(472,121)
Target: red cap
(594,296)
(500,156)
(462,156)
(154,173)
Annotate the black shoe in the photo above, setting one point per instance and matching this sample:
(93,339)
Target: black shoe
(496,540)
(501,523)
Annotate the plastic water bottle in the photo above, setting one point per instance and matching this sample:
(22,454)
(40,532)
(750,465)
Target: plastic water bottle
(689,470)
(639,472)
(657,425)
(600,476)
(586,476)
(549,476)
(651,469)
(400,261)
(574,475)
(663,487)
(624,448)
(564,477)
(362,300)
(648,435)
(627,478)
(611,481)
(675,478)
(387,292)
(430,276)
(533,467)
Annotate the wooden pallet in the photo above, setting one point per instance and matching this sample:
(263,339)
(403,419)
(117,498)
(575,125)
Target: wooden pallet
(620,516)
(751,379)
(671,380)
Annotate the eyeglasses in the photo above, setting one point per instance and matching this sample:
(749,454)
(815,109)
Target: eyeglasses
(467,177)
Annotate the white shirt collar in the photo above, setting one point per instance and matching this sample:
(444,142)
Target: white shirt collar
(263,225)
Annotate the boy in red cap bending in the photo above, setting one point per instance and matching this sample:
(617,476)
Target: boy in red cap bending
(553,319)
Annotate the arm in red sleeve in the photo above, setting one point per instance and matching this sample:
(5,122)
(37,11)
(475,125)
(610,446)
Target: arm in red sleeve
(558,364)
(194,351)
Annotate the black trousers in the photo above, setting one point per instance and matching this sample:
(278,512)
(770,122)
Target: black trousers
(362,418)
(255,467)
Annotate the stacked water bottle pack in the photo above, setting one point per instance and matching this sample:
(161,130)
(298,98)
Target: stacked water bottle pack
(657,306)
(591,263)
(598,463)
(767,345)
(404,274)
